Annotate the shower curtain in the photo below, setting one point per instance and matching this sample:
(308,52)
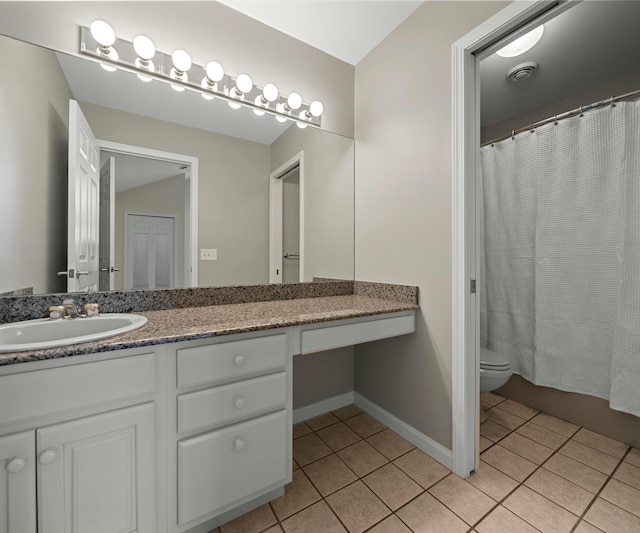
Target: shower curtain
(560,254)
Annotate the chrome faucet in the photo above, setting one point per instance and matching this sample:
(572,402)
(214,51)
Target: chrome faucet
(71,310)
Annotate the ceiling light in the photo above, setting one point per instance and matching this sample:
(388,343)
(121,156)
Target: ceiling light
(522,44)
(104,35)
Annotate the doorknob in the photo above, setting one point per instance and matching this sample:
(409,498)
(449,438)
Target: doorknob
(70,273)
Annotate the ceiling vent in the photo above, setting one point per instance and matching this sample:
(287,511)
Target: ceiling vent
(522,71)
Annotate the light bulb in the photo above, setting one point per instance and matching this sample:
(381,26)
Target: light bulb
(294,101)
(178,75)
(262,103)
(303,116)
(214,71)
(522,44)
(144,47)
(181,60)
(102,33)
(316,108)
(233,105)
(270,92)
(244,83)
(280,119)
(207,85)
(281,109)
(113,54)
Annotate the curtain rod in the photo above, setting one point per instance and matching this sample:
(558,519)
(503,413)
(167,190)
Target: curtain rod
(567,114)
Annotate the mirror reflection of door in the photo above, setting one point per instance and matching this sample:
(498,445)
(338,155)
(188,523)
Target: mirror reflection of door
(291,226)
(107,223)
(83,212)
(149,252)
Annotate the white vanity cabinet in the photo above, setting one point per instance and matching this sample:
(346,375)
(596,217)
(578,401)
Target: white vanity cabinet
(78,444)
(233,424)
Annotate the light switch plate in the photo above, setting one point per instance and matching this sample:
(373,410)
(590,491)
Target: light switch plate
(208,254)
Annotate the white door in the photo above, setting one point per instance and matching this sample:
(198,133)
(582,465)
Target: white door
(18,483)
(107,224)
(83,204)
(291,226)
(96,474)
(149,252)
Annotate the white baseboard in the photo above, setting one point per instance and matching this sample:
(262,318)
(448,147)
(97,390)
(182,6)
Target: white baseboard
(319,408)
(420,440)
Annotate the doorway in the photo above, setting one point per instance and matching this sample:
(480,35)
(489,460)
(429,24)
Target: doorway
(142,163)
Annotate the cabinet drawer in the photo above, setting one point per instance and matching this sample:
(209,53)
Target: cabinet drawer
(230,403)
(223,467)
(45,392)
(227,360)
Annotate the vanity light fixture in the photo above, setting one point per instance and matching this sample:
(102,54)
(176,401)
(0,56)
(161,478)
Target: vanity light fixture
(105,37)
(145,49)
(99,42)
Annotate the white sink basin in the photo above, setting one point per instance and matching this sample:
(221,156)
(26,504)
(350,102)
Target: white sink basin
(45,333)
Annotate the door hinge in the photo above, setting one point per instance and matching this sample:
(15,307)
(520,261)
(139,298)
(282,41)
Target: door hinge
(473,286)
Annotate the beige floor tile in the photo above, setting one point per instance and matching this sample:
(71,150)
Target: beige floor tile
(508,462)
(493,431)
(604,444)
(329,474)
(541,513)
(322,421)
(501,520)
(611,518)
(462,498)
(622,495)
(484,443)
(426,514)
(295,465)
(586,527)
(357,507)
(505,418)
(566,494)
(318,517)
(274,529)
(252,522)
(362,458)
(527,448)
(390,444)
(542,435)
(300,430)
(491,398)
(589,456)
(391,524)
(633,457)
(518,409)
(365,425)
(338,436)
(582,475)
(298,494)
(492,482)
(347,412)
(392,486)
(308,449)
(555,424)
(421,468)
(628,473)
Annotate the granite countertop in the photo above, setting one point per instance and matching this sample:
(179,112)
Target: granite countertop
(189,323)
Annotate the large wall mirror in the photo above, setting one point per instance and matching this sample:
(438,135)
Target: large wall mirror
(274,202)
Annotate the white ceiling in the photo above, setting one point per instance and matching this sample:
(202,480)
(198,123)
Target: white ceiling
(346,29)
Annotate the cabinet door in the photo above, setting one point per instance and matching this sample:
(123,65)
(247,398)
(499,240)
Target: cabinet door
(18,483)
(96,474)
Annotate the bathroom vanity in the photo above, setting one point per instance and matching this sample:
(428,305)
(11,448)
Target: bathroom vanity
(178,426)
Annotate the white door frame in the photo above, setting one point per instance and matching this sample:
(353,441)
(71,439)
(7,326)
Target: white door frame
(513,21)
(191,215)
(275,217)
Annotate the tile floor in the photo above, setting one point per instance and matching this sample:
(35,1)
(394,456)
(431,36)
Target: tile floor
(537,474)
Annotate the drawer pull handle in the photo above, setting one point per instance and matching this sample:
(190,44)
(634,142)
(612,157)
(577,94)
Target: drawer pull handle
(239,445)
(238,360)
(16,464)
(48,456)
(238,402)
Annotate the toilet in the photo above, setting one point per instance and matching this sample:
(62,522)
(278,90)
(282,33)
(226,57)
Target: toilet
(495,371)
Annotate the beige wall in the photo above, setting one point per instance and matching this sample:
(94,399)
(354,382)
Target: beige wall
(208,30)
(33,168)
(403,206)
(233,187)
(164,197)
(328,199)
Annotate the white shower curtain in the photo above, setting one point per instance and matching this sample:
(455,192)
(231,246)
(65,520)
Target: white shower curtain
(560,264)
